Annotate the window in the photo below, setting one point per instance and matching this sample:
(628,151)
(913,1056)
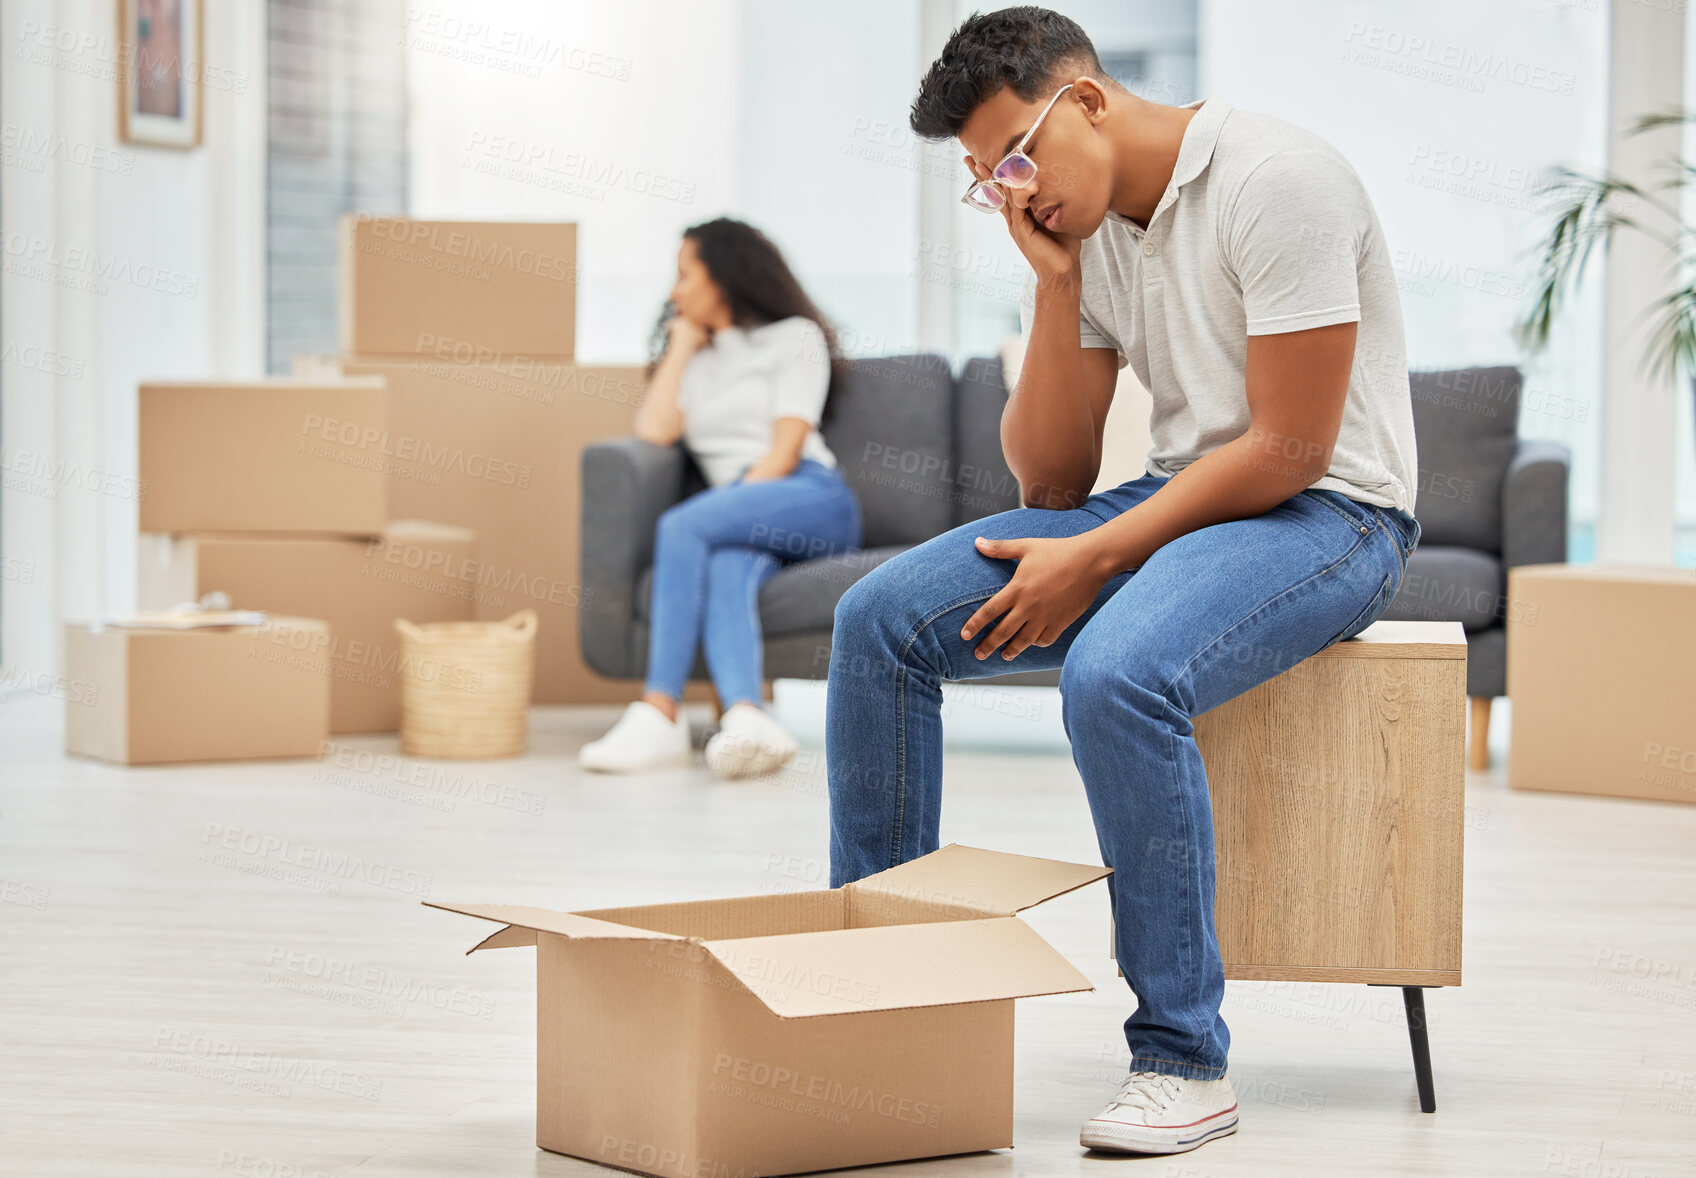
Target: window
(336,144)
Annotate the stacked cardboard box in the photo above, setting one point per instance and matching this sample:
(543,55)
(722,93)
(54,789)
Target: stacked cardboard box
(270,458)
(263,456)
(423,572)
(472,327)
(509,286)
(276,492)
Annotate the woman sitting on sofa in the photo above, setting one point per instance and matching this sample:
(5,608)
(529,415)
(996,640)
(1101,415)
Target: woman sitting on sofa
(743,381)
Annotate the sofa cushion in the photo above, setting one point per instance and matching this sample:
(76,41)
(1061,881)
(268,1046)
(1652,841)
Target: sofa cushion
(1444,583)
(891,428)
(982,482)
(1487,662)
(1466,423)
(803,595)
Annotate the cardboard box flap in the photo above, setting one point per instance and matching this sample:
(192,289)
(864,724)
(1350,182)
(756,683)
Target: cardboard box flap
(991,882)
(510,936)
(521,921)
(894,967)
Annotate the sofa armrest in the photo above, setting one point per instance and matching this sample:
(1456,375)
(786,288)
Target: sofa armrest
(1534,498)
(627,483)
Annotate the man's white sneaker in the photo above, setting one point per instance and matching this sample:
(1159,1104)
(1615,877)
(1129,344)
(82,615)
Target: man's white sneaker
(1156,1113)
(749,743)
(642,739)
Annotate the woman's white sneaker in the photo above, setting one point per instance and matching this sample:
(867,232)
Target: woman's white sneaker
(643,739)
(749,743)
(1156,1113)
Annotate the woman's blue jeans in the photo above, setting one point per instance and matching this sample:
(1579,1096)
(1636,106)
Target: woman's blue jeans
(714,550)
(1209,616)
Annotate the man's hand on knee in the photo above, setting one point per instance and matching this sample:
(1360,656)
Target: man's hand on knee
(1054,583)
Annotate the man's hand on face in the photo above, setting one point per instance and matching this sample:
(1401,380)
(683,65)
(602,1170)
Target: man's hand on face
(1054,583)
(1050,255)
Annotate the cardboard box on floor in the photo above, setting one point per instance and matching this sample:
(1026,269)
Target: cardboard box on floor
(146,696)
(279,455)
(406,285)
(1602,674)
(791,1032)
(423,572)
(497,448)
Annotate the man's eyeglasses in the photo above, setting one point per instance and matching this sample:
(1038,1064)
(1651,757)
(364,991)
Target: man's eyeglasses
(1015,170)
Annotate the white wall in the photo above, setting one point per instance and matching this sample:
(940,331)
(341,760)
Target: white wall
(1449,110)
(1635,518)
(1684,409)
(748,108)
(122,263)
(621,117)
(828,167)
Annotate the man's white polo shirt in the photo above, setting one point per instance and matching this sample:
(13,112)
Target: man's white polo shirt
(1264,228)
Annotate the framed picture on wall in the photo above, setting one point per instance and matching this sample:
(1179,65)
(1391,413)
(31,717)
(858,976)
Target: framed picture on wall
(160,48)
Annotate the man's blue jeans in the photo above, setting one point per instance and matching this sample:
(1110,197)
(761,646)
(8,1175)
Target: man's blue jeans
(1209,616)
(713,551)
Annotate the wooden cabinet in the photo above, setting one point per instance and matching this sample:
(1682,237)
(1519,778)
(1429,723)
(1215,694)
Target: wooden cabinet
(1338,807)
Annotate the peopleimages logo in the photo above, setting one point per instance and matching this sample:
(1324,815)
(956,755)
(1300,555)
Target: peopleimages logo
(1449,62)
(434,566)
(457,243)
(98,55)
(15,678)
(358,661)
(36,257)
(545,164)
(406,448)
(753,1078)
(51,473)
(222,843)
(34,148)
(323,975)
(42,360)
(197,1053)
(514,50)
(542,378)
(436,780)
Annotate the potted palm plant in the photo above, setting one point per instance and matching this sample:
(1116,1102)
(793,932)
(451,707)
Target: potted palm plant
(1586,211)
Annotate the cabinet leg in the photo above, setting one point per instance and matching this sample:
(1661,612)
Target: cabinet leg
(1413,1000)
(1413,997)
(1478,749)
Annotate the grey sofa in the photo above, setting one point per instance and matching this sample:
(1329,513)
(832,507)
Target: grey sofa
(1487,502)
(921,449)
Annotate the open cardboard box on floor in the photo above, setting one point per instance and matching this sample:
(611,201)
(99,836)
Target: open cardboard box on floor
(790,1032)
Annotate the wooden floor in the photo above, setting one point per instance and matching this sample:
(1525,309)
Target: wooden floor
(225,969)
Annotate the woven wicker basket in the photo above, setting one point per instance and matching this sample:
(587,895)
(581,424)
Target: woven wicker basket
(465,686)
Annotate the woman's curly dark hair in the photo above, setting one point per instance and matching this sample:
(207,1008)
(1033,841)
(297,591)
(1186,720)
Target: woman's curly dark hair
(757,283)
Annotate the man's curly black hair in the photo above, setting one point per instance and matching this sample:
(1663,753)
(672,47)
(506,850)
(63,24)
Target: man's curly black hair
(1024,48)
